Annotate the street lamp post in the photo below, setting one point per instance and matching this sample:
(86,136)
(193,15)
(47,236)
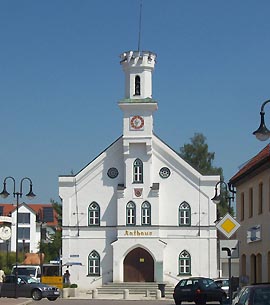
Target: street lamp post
(229,254)
(7,244)
(40,220)
(229,193)
(262,133)
(216,199)
(17,195)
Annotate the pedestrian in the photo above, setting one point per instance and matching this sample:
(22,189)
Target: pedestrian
(2,275)
(66,277)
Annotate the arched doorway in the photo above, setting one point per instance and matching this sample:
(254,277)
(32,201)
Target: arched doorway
(138,266)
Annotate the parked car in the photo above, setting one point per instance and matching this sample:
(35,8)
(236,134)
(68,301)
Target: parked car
(224,284)
(199,290)
(27,287)
(258,294)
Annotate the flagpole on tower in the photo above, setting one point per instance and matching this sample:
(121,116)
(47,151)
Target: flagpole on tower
(140,26)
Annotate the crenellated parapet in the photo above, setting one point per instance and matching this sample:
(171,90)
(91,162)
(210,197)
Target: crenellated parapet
(138,59)
(138,67)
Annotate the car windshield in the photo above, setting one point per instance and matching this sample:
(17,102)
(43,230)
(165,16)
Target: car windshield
(29,279)
(208,283)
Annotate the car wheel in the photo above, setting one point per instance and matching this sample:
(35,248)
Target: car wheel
(52,298)
(36,295)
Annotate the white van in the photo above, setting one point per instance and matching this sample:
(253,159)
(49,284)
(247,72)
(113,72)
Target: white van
(31,270)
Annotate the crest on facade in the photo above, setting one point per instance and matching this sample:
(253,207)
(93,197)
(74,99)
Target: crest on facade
(138,192)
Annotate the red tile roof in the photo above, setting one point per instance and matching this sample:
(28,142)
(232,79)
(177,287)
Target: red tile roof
(253,165)
(8,208)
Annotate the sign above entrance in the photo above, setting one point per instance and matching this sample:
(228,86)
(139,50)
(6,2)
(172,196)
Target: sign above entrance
(228,225)
(131,233)
(137,233)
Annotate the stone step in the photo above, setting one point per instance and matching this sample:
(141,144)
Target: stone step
(135,288)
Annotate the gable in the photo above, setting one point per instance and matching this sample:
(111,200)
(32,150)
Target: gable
(173,160)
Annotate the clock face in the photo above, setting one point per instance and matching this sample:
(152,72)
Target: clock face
(5,232)
(136,122)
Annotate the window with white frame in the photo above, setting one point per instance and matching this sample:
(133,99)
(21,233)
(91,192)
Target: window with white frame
(138,171)
(93,214)
(94,264)
(146,213)
(24,218)
(23,233)
(184,214)
(184,263)
(131,213)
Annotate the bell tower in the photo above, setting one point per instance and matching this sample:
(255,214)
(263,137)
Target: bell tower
(138,67)
(138,105)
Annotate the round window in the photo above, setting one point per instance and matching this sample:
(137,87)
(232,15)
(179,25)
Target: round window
(112,172)
(164,172)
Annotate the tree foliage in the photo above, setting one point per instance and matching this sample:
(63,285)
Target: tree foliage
(8,259)
(198,156)
(53,248)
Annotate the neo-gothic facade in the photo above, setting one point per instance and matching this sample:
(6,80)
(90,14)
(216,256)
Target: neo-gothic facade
(138,211)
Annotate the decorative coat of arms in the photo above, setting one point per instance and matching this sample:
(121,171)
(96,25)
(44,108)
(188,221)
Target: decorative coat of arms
(138,192)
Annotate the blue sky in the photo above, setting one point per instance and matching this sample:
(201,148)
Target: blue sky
(60,80)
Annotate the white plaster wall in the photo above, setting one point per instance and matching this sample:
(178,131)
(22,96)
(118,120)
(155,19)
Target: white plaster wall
(92,184)
(34,233)
(129,110)
(138,63)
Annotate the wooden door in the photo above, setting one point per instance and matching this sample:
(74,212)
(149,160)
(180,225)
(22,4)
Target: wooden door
(138,266)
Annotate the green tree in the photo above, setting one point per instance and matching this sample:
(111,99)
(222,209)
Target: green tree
(198,156)
(53,248)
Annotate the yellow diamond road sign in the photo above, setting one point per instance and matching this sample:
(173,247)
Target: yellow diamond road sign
(228,225)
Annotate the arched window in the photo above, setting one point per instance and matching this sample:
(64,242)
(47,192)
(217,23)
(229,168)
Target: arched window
(184,263)
(184,214)
(94,264)
(138,171)
(243,265)
(146,213)
(131,213)
(137,85)
(93,214)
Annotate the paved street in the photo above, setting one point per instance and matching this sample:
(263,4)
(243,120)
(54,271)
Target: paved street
(106,302)
(21,301)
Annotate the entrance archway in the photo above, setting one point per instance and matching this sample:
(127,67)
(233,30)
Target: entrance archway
(138,266)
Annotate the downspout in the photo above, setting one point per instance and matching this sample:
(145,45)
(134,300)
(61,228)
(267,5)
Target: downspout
(77,208)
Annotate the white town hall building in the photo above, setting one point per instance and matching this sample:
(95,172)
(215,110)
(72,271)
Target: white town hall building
(138,212)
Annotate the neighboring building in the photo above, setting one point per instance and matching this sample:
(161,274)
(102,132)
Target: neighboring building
(29,220)
(253,213)
(138,211)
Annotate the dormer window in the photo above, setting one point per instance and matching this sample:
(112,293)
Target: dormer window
(137,85)
(138,171)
